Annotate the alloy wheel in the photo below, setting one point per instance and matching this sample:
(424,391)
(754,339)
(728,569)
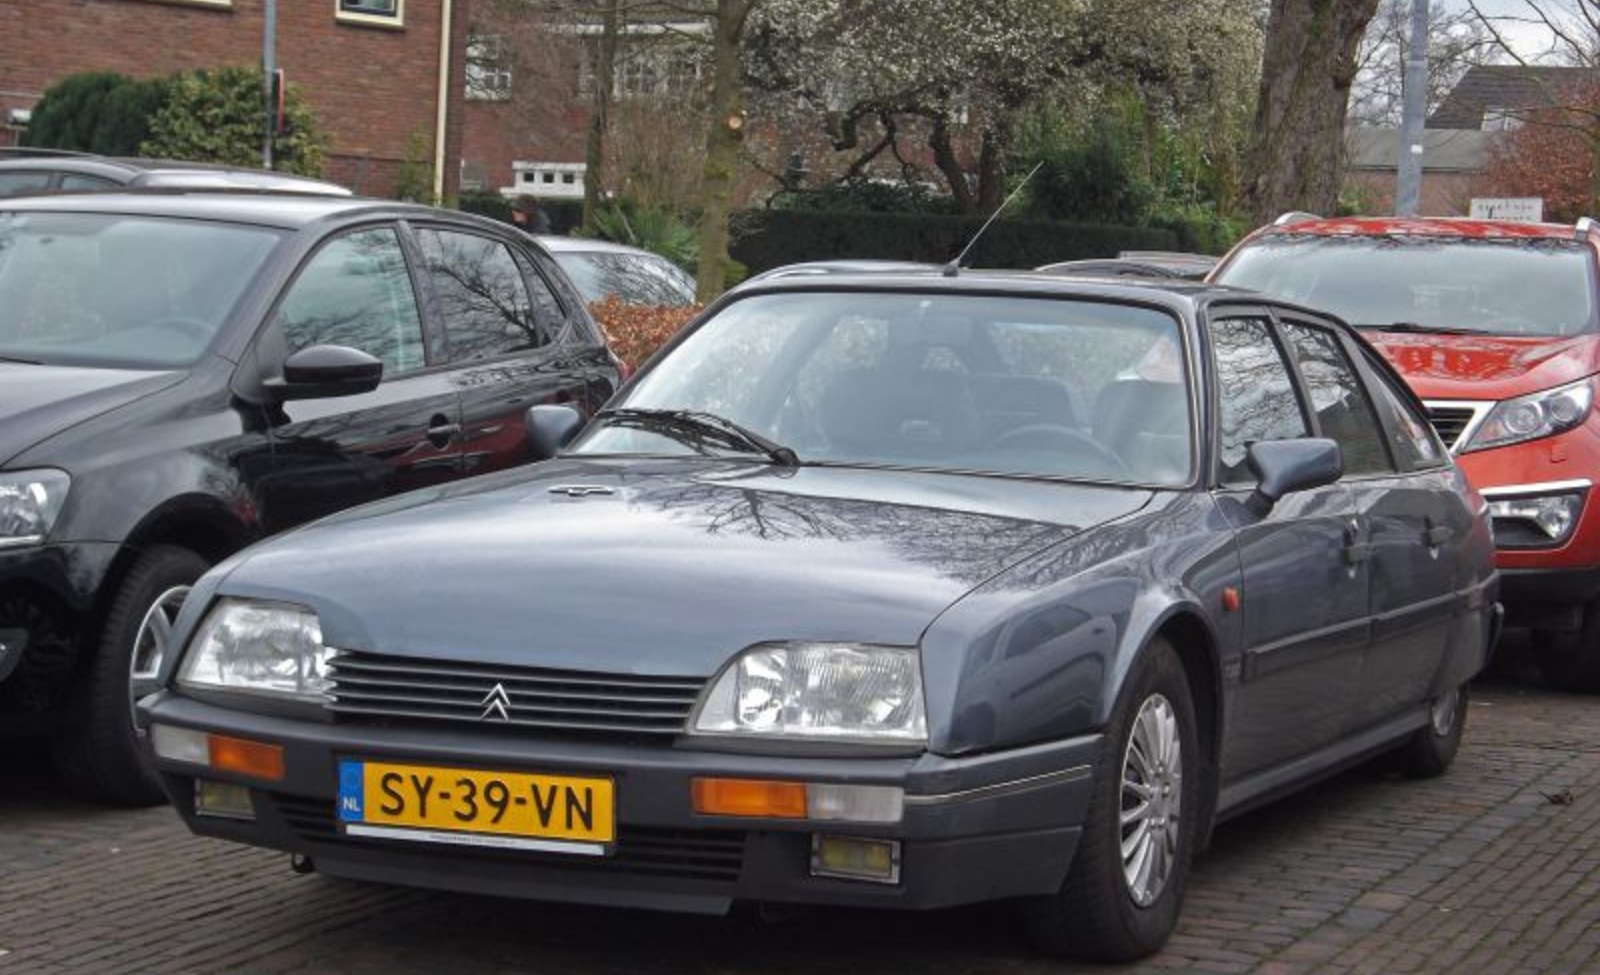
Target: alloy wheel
(151,643)
(1152,794)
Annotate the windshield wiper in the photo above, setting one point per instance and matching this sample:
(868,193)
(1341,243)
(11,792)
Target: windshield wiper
(1417,328)
(702,423)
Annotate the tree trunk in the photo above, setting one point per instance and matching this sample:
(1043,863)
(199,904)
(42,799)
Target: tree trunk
(594,150)
(1296,158)
(991,173)
(724,128)
(944,156)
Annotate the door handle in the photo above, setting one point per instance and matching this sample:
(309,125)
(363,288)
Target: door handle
(1355,550)
(1436,535)
(442,431)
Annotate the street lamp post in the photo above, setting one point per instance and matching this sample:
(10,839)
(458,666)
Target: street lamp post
(269,66)
(1408,179)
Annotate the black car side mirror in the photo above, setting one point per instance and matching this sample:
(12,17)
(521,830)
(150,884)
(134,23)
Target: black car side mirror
(324,371)
(1285,466)
(550,428)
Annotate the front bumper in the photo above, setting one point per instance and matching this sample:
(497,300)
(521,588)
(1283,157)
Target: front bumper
(974,829)
(47,597)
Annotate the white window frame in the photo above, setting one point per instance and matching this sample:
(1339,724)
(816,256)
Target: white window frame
(394,20)
(488,71)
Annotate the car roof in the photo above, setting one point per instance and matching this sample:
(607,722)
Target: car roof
(169,171)
(1460,227)
(289,211)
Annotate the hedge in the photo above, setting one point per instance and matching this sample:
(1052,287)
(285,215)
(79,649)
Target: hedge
(764,239)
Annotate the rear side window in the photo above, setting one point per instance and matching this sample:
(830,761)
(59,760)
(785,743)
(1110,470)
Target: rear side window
(1343,410)
(357,292)
(14,184)
(73,181)
(1255,394)
(483,297)
(1410,436)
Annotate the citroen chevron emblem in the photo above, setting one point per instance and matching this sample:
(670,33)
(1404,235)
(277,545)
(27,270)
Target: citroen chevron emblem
(581,490)
(496,702)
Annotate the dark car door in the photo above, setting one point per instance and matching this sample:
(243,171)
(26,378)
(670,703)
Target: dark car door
(328,454)
(508,340)
(1304,600)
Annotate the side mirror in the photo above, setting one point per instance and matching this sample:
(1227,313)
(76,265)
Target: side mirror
(550,428)
(324,371)
(1285,466)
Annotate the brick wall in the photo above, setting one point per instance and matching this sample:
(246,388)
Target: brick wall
(371,87)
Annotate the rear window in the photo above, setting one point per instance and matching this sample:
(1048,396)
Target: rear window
(1535,286)
(638,279)
(120,291)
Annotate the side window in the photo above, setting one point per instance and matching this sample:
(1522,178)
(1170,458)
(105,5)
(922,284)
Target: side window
(73,181)
(356,292)
(1411,437)
(1343,410)
(483,297)
(1255,394)
(28,181)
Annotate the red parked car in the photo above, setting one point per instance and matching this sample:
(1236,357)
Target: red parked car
(1495,326)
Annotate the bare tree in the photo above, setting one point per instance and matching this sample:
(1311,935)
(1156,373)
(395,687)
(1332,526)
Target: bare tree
(1457,40)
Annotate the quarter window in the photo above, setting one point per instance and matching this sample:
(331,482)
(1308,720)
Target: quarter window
(356,292)
(1255,394)
(1343,410)
(483,297)
(1411,438)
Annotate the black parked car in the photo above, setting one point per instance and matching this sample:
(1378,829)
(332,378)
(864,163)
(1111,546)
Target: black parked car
(181,374)
(27,172)
(843,601)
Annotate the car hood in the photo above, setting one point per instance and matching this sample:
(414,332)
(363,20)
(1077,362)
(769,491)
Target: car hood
(662,567)
(37,402)
(1487,366)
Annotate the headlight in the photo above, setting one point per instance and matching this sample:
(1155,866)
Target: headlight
(29,504)
(261,648)
(820,691)
(1536,415)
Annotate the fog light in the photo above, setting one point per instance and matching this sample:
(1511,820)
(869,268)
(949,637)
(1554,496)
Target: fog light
(223,800)
(1554,515)
(180,744)
(855,858)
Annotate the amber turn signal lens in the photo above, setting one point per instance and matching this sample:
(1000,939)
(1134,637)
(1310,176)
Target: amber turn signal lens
(247,758)
(749,797)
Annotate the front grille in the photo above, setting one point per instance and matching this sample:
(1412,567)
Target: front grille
(1451,422)
(372,686)
(698,854)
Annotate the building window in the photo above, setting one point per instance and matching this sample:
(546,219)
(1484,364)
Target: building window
(550,180)
(379,13)
(488,69)
(1498,118)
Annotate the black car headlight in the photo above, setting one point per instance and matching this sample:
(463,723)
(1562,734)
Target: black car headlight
(29,504)
(256,647)
(818,691)
(1542,414)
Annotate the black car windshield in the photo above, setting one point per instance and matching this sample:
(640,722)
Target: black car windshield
(120,291)
(1523,286)
(639,279)
(1078,389)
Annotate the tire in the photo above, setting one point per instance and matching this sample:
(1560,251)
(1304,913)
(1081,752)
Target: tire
(102,757)
(1100,914)
(1571,661)
(1430,749)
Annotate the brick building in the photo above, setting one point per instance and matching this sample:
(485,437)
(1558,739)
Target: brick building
(370,69)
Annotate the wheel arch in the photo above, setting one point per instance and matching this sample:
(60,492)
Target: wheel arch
(200,523)
(1191,638)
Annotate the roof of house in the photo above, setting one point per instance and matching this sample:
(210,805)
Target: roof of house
(1487,87)
(1443,150)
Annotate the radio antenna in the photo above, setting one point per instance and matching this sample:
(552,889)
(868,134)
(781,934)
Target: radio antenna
(953,269)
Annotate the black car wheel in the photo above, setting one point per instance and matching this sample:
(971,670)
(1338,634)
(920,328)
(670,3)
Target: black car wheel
(102,756)
(1123,891)
(1430,749)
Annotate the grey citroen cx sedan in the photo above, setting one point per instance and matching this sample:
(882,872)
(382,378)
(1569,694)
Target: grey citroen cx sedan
(896,590)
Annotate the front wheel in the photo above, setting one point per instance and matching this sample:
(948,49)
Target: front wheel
(1122,894)
(102,755)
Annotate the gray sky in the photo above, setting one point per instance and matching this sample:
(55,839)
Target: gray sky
(1529,40)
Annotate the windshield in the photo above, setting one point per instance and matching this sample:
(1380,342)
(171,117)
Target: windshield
(1076,389)
(1527,286)
(117,291)
(638,279)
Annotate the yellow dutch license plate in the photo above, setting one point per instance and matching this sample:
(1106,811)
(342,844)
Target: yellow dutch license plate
(472,807)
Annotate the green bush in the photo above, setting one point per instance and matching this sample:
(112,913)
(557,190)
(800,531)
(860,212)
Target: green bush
(1199,227)
(217,116)
(101,112)
(1090,182)
(764,239)
(868,196)
(655,229)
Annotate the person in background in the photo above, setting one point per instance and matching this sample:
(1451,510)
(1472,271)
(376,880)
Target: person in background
(529,216)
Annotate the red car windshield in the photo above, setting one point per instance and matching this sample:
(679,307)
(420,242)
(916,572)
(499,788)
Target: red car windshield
(1529,286)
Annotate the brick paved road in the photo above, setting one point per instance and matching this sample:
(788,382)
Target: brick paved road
(1476,873)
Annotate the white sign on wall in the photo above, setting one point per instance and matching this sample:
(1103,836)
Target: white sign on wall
(1520,209)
